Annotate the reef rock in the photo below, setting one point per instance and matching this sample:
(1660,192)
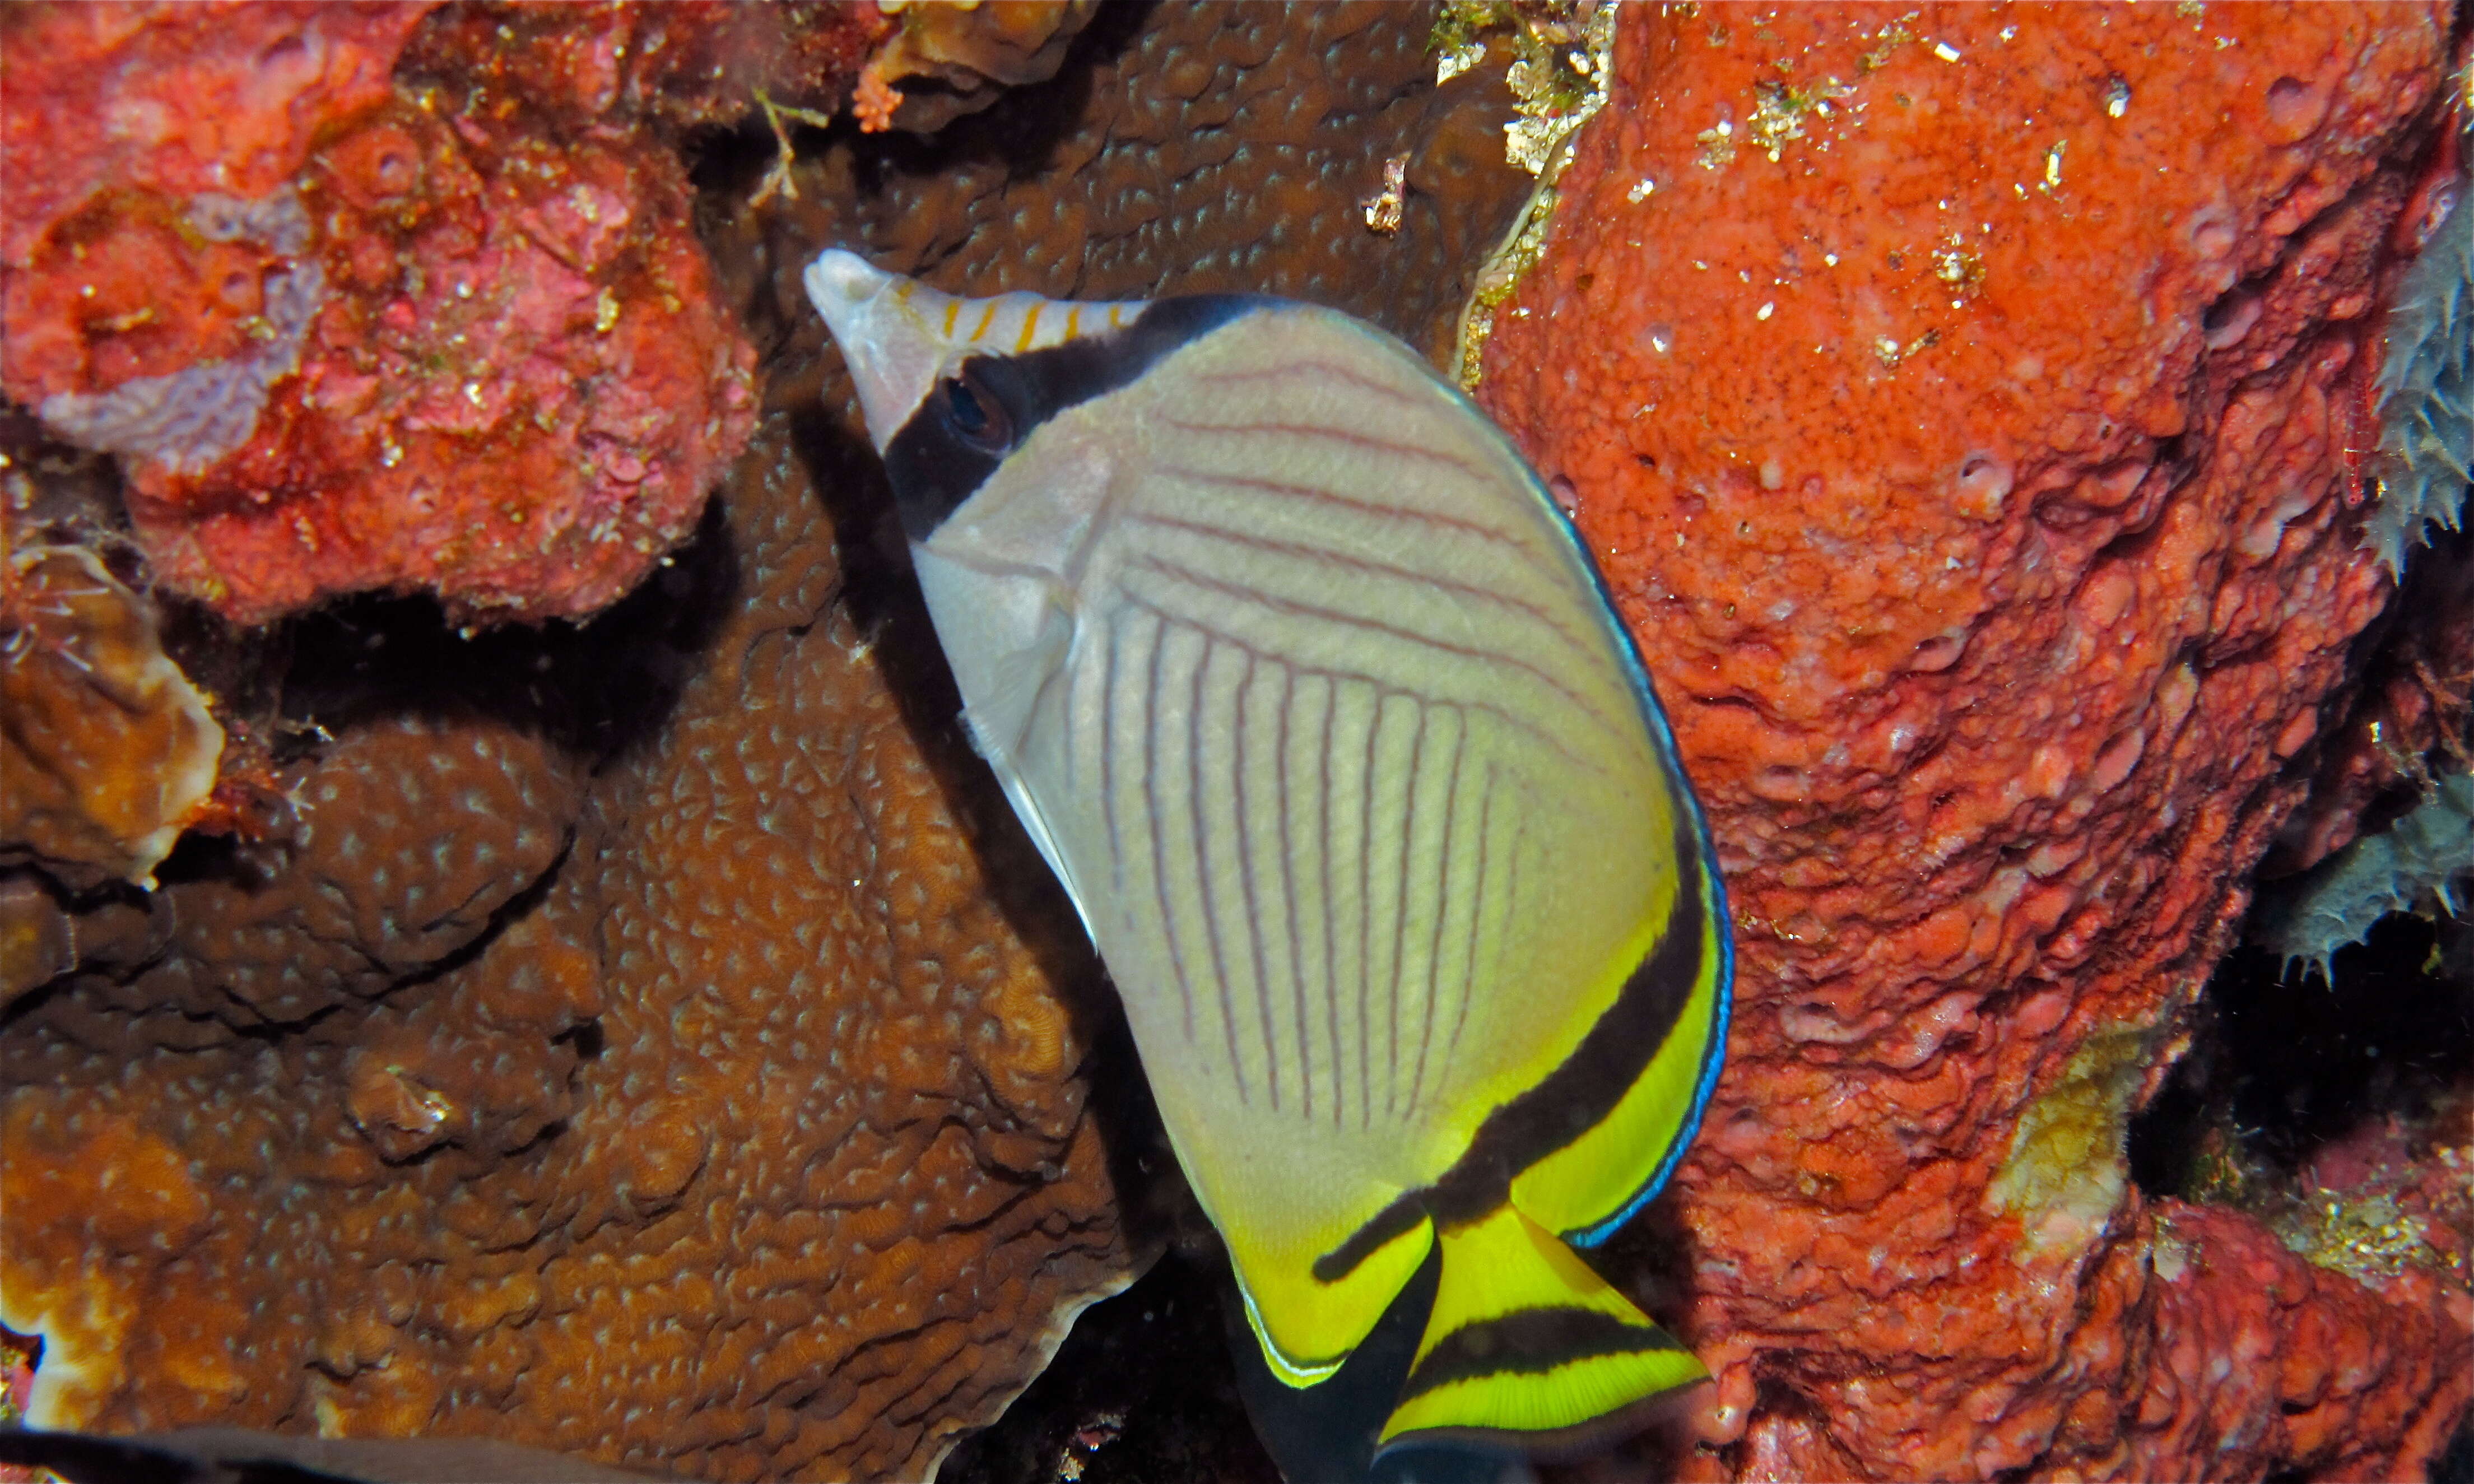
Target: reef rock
(411,346)
(1958,400)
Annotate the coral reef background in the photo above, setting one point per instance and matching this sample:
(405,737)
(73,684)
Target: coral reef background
(661,1019)
(649,1036)
(1978,481)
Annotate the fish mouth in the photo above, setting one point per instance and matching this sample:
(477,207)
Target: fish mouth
(893,352)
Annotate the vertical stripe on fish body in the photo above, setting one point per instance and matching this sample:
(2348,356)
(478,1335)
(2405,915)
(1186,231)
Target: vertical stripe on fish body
(1308,694)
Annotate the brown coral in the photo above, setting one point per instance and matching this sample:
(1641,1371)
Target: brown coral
(947,60)
(407,839)
(1956,400)
(830,1071)
(107,751)
(1220,149)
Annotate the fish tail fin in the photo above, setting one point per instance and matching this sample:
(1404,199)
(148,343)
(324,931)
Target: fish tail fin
(1525,1339)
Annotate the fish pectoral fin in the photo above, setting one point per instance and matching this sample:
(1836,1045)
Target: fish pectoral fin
(1524,1338)
(1034,824)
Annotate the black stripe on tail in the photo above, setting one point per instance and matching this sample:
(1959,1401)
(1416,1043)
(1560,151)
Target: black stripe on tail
(1530,1342)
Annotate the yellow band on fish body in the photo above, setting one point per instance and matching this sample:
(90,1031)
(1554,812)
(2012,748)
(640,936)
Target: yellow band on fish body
(1597,1179)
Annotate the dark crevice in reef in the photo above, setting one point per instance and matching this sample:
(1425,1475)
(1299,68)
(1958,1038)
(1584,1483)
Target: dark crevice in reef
(2455,1464)
(595,687)
(2284,1063)
(2306,1088)
(1142,1391)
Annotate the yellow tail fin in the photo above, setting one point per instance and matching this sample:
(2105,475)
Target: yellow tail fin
(1524,1338)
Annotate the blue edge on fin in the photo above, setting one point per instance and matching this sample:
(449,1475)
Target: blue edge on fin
(1715,1054)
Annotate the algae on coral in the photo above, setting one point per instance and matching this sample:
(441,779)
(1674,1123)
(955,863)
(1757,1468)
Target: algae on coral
(2422,856)
(2426,454)
(1555,95)
(2069,1162)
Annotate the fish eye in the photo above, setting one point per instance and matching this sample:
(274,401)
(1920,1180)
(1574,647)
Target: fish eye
(976,416)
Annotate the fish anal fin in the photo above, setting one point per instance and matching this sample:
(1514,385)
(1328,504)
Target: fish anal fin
(1308,1326)
(1526,1340)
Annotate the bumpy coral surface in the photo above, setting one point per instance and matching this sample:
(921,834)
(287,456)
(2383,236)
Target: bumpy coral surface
(2407,722)
(225,96)
(1957,400)
(680,62)
(406,838)
(1224,149)
(734,1101)
(403,345)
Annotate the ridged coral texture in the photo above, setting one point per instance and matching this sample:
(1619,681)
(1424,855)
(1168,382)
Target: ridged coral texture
(108,748)
(717,1117)
(1958,398)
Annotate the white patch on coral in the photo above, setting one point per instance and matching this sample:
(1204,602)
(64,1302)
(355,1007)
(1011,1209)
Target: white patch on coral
(81,1349)
(2068,1164)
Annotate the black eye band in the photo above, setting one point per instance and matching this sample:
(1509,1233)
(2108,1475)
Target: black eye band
(972,421)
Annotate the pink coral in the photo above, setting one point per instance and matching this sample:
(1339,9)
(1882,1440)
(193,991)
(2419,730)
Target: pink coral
(1956,399)
(225,96)
(440,352)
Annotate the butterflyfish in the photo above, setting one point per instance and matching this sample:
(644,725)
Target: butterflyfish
(1311,697)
